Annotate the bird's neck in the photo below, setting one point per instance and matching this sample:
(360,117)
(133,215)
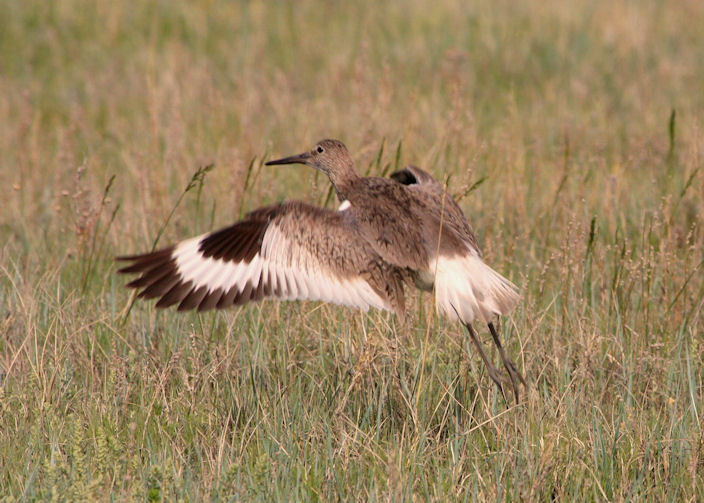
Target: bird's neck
(343,179)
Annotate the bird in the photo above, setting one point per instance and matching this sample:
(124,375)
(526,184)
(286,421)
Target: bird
(387,233)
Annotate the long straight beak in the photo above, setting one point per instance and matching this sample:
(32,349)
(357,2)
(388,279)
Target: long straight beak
(294,159)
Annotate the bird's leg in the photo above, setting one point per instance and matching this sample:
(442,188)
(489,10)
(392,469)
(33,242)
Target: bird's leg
(508,364)
(493,372)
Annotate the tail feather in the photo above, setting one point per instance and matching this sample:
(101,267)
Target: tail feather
(467,288)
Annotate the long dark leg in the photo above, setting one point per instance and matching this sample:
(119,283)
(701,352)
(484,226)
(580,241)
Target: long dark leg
(493,372)
(513,373)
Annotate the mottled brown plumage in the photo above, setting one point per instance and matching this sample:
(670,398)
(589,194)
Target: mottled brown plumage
(437,201)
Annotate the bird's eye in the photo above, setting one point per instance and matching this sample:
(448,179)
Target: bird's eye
(319,149)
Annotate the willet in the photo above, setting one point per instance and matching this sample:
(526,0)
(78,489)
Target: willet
(385,233)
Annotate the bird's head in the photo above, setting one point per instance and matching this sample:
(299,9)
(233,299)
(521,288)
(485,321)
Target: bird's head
(328,156)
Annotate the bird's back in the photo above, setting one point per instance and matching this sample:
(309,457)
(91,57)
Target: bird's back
(401,224)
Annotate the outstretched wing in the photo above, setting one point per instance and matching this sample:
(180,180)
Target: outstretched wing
(287,251)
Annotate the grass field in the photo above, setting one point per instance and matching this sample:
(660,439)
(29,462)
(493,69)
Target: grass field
(573,132)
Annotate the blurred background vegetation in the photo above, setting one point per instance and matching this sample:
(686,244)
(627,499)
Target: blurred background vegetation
(572,134)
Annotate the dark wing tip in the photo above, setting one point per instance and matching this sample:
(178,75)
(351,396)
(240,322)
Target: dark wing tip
(127,258)
(404,176)
(144,261)
(239,242)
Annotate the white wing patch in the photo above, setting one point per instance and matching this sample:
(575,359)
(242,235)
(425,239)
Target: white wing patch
(467,288)
(290,273)
(345,205)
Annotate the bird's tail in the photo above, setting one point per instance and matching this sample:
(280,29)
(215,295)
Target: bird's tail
(467,288)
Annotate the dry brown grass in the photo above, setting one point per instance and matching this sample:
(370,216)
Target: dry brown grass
(552,120)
